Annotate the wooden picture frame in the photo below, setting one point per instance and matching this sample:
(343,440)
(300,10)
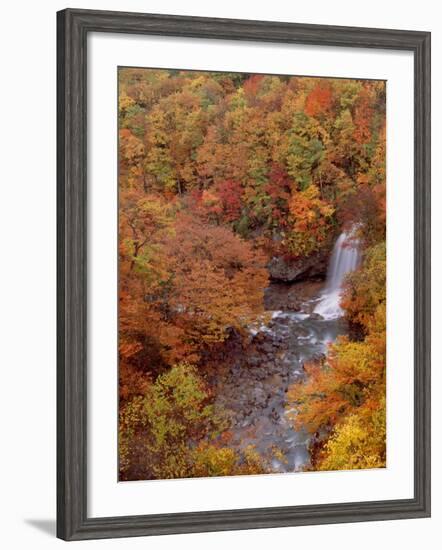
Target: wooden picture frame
(73,27)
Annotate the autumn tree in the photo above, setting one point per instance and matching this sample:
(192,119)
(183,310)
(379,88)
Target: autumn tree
(217,281)
(310,221)
(157,428)
(365,290)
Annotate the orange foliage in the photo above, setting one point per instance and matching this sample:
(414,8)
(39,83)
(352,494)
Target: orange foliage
(363,117)
(183,284)
(320,99)
(311,221)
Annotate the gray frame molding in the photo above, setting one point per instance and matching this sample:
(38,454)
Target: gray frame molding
(73,27)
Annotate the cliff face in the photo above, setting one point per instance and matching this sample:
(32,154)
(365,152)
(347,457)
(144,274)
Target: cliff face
(289,271)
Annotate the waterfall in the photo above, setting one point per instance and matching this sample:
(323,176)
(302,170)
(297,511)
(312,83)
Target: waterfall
(344,259)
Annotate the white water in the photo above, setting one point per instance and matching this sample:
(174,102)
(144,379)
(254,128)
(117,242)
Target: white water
(344,259)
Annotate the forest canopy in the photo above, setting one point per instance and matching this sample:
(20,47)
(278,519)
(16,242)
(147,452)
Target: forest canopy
(218,174)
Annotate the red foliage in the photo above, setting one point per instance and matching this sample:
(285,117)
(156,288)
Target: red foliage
(229,192)
(363,117)
(319,100)
(251,85)
(279,187)
(220,204)
(365,206)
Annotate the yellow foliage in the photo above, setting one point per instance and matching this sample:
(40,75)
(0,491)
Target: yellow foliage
(124,102)
(155,429)
(359,442)
(210,460)
(310,219)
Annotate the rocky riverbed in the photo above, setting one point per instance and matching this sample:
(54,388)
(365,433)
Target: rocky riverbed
(253,390)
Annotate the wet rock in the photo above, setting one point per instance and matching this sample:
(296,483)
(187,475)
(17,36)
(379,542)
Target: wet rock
(283,322)
(266,347)
(258,395)
(259,337)
(294,306)
(280,296)
(254,361)
(315,265)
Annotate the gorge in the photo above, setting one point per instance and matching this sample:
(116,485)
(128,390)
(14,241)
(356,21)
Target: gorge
(254,390)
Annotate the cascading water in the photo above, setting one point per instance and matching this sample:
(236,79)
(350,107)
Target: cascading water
(344,259)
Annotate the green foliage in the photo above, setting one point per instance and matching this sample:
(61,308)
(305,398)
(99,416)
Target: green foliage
(157,429)
(305,149)
(158,161)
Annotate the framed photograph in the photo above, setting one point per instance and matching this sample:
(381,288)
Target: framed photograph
(243,274)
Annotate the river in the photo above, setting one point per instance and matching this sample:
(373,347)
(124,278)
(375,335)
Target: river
(304,319)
